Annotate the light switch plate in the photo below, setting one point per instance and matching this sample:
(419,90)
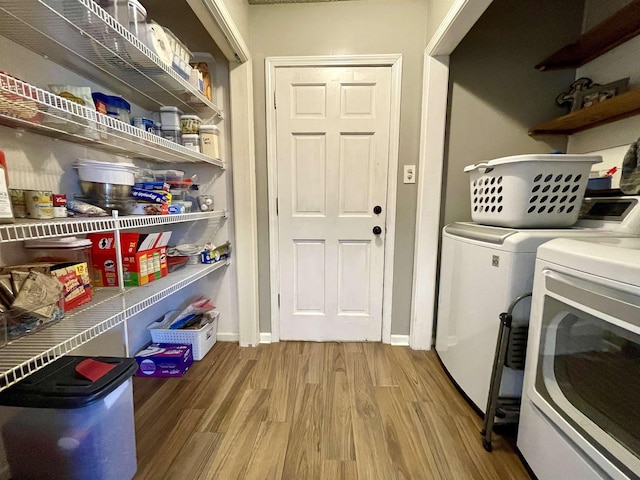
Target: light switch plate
(409,174)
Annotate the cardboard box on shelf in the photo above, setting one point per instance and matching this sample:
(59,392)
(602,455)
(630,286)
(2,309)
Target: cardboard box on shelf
(138,261)
(164,360)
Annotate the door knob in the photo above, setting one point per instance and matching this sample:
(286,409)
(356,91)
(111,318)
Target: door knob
(377,209)
(377,230)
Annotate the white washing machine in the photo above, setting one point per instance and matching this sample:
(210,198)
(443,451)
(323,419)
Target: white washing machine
(483,269)
(580,412)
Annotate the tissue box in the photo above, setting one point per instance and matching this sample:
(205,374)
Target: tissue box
(164,360)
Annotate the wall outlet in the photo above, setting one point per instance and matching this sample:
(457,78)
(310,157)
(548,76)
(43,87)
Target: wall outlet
(409,174)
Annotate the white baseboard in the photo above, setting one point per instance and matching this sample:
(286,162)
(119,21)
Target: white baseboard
(228,337)
(265,337)
(400,340)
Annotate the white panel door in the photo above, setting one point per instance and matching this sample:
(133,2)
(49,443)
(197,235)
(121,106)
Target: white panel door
(333,155)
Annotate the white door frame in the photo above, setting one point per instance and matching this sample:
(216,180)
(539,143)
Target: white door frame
(462,15)
(271,64)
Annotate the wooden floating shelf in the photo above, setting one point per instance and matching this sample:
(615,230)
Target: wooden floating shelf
(615,30)
(616,108)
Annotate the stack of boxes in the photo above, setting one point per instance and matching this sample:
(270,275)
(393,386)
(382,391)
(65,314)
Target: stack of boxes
(144,258)
(153,198)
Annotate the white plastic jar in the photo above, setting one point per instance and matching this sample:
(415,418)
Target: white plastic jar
(210,140)
(191,141)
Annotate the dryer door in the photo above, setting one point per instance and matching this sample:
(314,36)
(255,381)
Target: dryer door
(588,368)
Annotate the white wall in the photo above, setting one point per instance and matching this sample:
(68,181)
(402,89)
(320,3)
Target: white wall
(336,28)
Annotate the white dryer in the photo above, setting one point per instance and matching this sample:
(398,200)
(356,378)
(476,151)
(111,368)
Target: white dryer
(580,409)
(483,269)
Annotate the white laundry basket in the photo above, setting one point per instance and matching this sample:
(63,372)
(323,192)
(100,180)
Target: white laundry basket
(529,191)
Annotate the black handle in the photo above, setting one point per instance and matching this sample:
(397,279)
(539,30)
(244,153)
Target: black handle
(377,230)
(377,209)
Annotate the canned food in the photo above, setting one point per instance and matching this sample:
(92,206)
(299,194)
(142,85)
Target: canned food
(59,205)
(18,203)
(39,204)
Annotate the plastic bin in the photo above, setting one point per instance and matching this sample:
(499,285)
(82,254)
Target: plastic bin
(63,426)
(65,249)
(529,191)
(201,340)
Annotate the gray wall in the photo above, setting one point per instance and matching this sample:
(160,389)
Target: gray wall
(359,27)
(496,94)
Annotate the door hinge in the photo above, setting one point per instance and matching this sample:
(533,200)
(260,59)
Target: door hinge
(275,107)
(277,207)
(278,300)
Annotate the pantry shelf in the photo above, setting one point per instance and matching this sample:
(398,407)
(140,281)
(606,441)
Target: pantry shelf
(621,106)
(108,309)
(34,229)
(81,36)
(620,27)
(27,107)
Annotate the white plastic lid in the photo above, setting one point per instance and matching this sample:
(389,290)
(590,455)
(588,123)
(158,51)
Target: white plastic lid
(209,128)
(85,162)
(190,117)
(190,136)
(171,109)
(65,242)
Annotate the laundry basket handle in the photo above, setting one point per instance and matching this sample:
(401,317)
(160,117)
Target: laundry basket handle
(483,166)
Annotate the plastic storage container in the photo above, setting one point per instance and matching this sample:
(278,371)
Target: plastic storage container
(529,191)
(191,141)
(201,340)
(138,20)
(63,426)
(170,118)
(210,140)
(118,9)
(113,106)
(190,123)
(65,249)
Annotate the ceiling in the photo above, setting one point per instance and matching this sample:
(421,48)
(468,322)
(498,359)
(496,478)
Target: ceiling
(272,2)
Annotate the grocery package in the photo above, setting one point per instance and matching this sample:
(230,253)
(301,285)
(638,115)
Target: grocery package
(144,258)
(116,107)
(17,99)
(79,95)
(31,299)
(164,360)
(213,254)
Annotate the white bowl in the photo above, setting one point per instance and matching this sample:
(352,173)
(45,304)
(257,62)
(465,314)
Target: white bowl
(104,172)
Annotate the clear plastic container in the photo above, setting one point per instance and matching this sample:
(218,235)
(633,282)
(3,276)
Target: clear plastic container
(138,20)
(172,135)
(61,425)
(191,141)
(190,124)
(65,249)
(210,140)
(170,118)
(118,9)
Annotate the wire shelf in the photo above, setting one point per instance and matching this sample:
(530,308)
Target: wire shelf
(24,106)
(109,308)
(34,229)
(83,37)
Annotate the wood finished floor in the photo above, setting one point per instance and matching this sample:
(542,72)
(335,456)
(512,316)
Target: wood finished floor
(304,411)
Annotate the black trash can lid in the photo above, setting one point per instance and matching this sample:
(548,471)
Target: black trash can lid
(59,386)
